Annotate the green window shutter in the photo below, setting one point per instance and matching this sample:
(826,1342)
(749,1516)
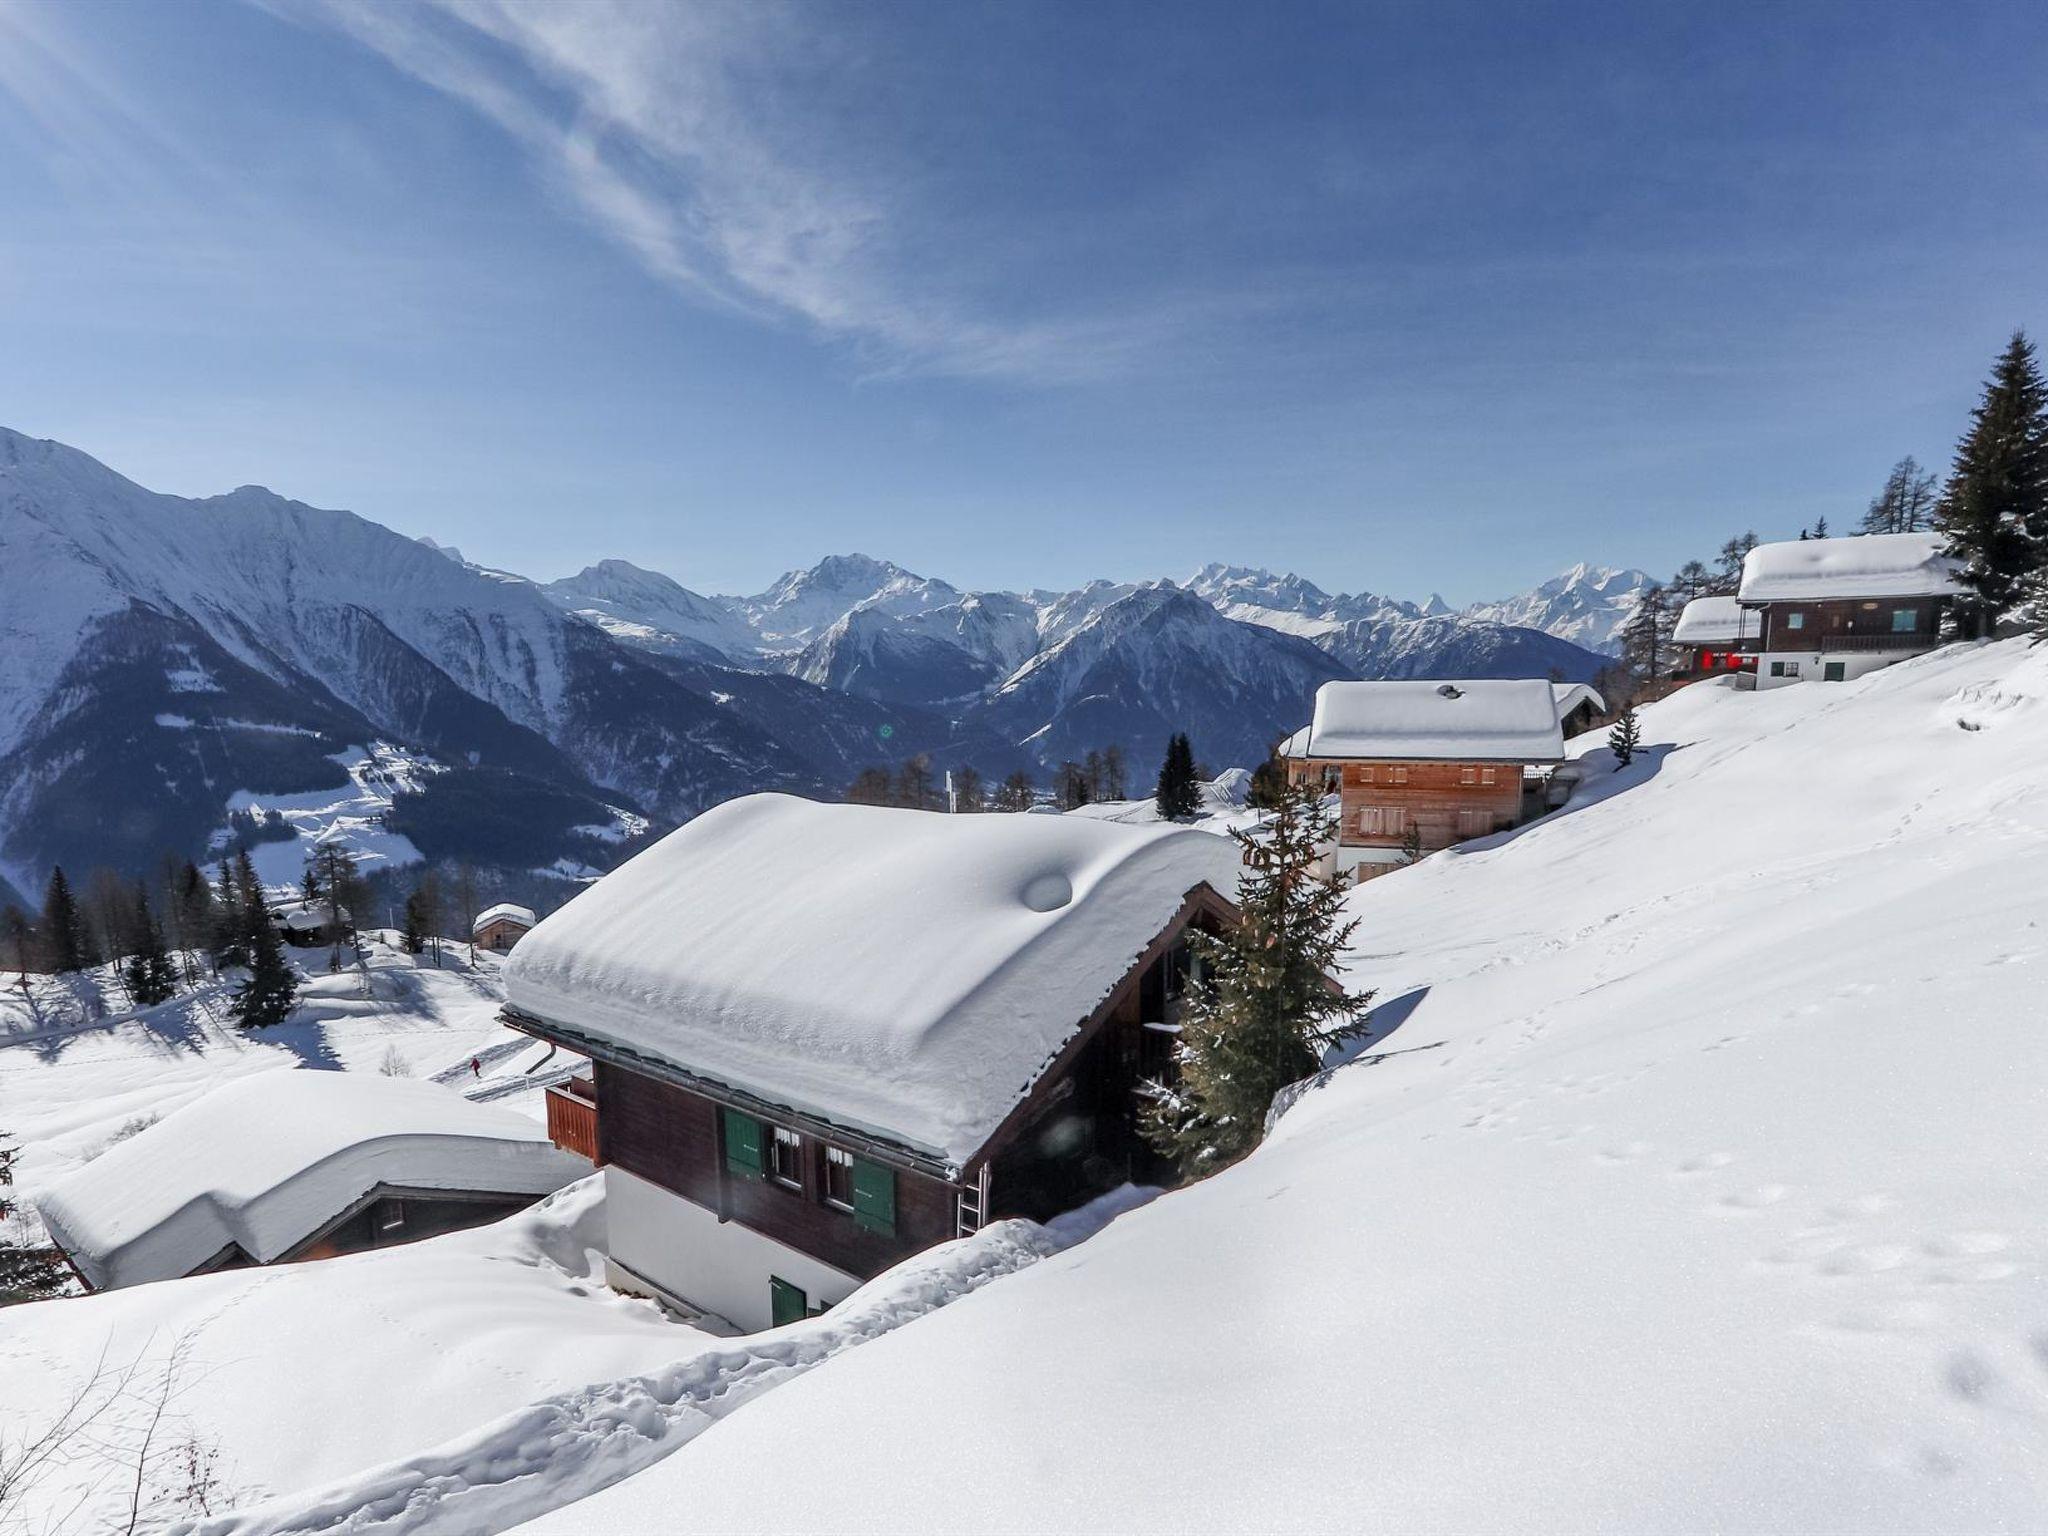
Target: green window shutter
(874,1195)
(786,1304)
(743,1135)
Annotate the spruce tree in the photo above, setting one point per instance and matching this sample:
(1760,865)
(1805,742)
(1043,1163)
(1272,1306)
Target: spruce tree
(147,974)
(63,927)
(1264,1008)
(1178,795)
(1994,510)
(1644,637)
(1411,843)
(1624,736)
(26,1274)
(1269,783)
(413,936)
(230,927)
(267,994)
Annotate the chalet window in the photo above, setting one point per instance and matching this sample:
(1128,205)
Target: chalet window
(1795,620)
(785,1158)
(1784,669)
(1401,774)
(874,1196)
(1904,621)
(1333,780)
(1365,774)
(1396,821)
(1468,775)
(743,1151)
(1369,821)
(1486,775)
(839,1179)
(391,1218)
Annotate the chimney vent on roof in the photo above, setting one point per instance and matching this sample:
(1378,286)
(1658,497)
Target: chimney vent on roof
(1450,691)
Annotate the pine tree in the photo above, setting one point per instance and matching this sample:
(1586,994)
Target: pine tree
(192,902)
(1016,793)
(1906,504)
(1411,843)
(17,942)
(1644,636)
(1269,783)
(413,936)
(1265,1008)
(1994,510)
(1624,736)
(26,1274)
(872,786)
(1728,564)
(1115,785)
(968,793)
(267,994)
(1070,786)
(1178,795)
(1820,526)
(147,974)
(335,885)
(63,927)
(230,929)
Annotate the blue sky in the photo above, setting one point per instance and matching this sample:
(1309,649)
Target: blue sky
(1403,297)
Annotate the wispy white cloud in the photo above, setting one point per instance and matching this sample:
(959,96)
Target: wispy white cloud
(690,134)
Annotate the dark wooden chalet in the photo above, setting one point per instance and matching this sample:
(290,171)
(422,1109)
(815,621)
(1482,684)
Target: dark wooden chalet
(759,1192)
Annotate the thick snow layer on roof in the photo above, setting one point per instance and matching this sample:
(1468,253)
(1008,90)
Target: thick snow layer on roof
(1510,719)
(1569,696)
(1718,620)
(1876,565)
(899,972)
(505,909)
(266,1161)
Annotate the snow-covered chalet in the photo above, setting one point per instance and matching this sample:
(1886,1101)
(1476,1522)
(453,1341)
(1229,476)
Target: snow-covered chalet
(1422,765)
(1833,609)
(498,928)
(1716,636)
(289,1165)
(825,1037)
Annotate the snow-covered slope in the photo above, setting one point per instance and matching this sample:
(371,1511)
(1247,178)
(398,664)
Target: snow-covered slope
(1694,1181)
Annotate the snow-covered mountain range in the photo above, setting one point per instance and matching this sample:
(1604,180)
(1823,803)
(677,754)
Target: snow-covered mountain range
(160,656)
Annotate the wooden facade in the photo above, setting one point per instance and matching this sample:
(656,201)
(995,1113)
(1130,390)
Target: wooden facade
(501,933)
(859,1203)
(1853,625)
(1385,805)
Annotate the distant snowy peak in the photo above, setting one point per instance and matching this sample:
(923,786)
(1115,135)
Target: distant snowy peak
(1587,605)
(653,611)
(799,607)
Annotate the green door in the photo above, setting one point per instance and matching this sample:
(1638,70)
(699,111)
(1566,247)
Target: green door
(786,1304)
(1833,671)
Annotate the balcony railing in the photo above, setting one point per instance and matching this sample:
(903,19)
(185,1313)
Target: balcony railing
(1887,640)
(572,1118)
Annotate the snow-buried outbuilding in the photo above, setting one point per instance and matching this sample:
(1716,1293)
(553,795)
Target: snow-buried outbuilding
(297,1165)
(825,1037)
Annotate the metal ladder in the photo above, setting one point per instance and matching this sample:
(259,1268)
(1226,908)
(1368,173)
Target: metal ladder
(973,1205)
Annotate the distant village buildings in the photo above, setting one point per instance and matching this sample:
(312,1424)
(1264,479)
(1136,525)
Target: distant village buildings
(1421,765)
(498,928)
(291,1165)
(1833,609)
(826,1037)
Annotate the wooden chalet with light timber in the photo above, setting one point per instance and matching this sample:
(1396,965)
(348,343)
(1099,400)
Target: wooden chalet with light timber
(825,1037)
(1429,764)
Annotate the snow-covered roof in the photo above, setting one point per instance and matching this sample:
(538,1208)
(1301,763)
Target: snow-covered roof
(266,1161)
(504,910)
(1875,565)
(1502,719)
(902,973)
(301,916)
(1719,620)
(1570,696)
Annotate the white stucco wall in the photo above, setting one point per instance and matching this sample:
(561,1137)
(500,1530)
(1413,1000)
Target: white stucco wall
(708,1265)
(1812,664)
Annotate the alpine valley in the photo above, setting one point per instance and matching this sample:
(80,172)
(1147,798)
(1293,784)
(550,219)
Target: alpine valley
(176,675)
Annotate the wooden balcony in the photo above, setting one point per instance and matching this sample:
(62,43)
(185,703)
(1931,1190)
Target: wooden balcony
(572,1118)
(1886,640)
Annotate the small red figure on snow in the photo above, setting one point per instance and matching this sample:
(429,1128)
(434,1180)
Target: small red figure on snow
(476,1066)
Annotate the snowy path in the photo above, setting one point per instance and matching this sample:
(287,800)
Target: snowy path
(556,1451)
